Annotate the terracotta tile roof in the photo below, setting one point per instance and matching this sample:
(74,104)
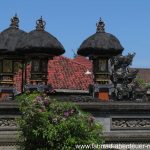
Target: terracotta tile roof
(144,73)
(65,73)
(83,60)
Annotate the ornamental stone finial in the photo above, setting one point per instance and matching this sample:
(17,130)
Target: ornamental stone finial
(100,26)
(40,24)
(15,22)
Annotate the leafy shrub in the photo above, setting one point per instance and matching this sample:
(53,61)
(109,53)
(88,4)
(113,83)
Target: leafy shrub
(142,83)
(47,124)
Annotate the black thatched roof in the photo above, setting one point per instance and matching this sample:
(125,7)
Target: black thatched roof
(100,43)
(10,36)
(9,39)
(40,41)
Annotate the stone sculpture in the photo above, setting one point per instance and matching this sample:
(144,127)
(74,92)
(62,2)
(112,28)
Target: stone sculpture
(123,79)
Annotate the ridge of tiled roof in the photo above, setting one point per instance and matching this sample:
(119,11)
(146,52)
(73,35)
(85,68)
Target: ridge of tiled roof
(74,61)
(83,61)
(141,68)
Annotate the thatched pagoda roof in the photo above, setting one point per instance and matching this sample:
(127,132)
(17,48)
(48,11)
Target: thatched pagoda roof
(40,41)
(100,43)
(10,36)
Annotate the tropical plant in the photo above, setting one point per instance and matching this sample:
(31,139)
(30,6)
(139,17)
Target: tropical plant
(48,124)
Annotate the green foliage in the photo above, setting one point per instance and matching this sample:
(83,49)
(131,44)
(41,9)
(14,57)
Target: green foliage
(26,99)
(47,124)
(142,83)
(148,86)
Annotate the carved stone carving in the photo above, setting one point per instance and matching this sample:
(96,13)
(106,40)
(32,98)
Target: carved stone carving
(123,79)
(130,123)
(7,122)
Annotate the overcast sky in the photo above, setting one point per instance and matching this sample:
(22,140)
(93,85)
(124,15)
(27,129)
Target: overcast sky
(72,21)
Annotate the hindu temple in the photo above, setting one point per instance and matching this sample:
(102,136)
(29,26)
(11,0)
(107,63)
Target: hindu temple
(100,80)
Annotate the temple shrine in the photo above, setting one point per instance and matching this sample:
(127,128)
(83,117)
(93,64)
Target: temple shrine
(99,79)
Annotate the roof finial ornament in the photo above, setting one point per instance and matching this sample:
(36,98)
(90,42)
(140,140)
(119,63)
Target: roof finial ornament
(15,22)
(40,24)
(100,26)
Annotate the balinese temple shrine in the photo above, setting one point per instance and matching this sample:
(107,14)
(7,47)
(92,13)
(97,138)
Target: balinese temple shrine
(10,60)
(38,46)
(99,80)
(100,47)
